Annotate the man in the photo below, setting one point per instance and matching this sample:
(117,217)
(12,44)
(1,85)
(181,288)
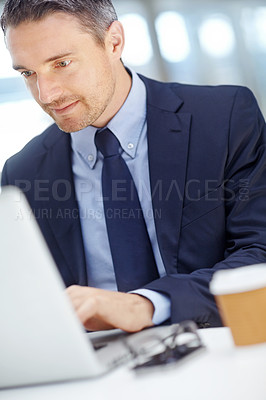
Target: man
(196,156)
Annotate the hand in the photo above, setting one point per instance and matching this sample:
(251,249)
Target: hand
(100,309)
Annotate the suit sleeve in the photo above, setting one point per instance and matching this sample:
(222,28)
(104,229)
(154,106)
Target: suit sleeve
(245,210)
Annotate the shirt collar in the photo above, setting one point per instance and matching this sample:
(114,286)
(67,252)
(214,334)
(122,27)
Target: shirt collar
(127,125)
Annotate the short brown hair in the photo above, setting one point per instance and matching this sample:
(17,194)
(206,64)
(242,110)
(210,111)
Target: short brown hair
(95,16)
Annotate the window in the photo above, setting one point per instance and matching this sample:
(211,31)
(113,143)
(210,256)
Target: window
(217,37)
(138,50)
(172,36)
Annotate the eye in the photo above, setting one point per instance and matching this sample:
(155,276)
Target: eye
(63,64)
(27,74)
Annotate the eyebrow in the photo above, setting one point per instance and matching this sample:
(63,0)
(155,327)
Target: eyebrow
(54,58)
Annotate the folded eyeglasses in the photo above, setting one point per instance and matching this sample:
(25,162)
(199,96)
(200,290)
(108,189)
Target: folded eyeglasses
(160,349)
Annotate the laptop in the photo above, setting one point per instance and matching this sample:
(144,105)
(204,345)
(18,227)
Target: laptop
(41,338)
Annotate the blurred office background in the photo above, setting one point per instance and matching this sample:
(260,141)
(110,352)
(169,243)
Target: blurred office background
(193,41)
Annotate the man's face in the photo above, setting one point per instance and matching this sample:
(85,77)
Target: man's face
(69,75)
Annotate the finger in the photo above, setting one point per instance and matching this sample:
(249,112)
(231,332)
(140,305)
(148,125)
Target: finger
(95,324)
(78,292)
(72,289)
(86,309)
(76,303)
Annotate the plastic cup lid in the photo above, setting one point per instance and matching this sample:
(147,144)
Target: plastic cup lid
(237,280)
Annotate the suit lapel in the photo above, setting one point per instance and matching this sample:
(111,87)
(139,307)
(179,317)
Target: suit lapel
(56,173)
(168,139)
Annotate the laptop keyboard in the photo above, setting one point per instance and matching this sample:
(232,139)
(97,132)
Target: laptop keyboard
(111,349)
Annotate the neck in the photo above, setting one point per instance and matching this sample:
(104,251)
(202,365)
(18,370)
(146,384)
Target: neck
(122,88)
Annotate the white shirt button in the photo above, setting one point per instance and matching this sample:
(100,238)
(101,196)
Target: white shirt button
(90,157)
(130,146)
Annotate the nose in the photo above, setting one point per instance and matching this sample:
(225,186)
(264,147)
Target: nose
(49,89)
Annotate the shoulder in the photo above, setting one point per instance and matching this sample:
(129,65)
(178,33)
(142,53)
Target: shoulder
(216,95)
(197,89)
(37,145)
(26,160)
(201,95)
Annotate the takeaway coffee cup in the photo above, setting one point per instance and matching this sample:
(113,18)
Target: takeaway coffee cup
(240,295)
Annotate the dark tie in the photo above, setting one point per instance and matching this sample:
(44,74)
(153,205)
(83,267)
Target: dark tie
(131,250)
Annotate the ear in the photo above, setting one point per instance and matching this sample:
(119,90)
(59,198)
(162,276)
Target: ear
(115,39)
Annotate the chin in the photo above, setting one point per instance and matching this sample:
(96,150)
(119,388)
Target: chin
(71,126)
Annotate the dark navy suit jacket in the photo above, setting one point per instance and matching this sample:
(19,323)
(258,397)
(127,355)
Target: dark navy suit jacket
(207,161)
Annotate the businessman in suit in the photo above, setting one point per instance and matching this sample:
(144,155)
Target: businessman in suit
(196,156)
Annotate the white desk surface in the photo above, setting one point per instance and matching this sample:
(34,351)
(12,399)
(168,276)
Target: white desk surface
(222,372)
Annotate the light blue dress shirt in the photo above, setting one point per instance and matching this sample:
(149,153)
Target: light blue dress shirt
(130,127)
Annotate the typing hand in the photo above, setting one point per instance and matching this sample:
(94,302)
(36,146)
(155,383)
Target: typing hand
(100,309)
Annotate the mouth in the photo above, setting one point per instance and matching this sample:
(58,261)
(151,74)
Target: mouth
(65,110)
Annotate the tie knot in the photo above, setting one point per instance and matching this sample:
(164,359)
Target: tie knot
(107,143)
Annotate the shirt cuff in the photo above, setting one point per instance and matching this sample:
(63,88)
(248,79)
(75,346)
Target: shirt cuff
(161,303)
